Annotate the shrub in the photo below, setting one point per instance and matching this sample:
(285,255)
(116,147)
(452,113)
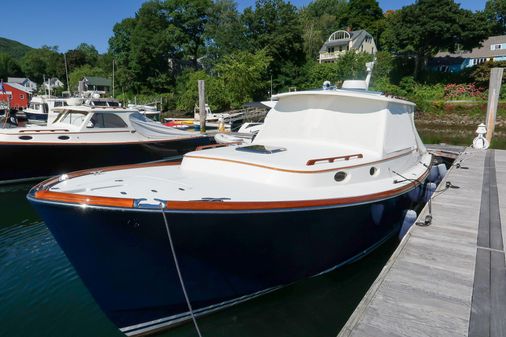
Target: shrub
(462,91)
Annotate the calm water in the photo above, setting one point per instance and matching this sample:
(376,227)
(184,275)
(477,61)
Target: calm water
(41,295)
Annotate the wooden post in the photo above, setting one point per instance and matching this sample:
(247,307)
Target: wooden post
(494,89)
(202,106)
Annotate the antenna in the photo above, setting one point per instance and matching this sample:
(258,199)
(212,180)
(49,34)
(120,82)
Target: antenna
(113,78)
(66,72)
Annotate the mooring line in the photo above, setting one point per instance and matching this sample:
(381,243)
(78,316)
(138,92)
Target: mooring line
(181,281)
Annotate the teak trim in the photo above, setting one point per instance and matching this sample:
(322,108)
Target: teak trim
(42,193)
(332,159)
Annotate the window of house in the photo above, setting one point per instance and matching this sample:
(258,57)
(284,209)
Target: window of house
(107,120)
(22,96)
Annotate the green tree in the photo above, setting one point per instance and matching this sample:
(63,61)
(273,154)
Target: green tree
(119,48)
(90,53)
(350,65)
(275,26)
(428,26)
(364,14)
(163,37)
(495,11)
(224,32)
(320,19)
(43,62)
(8,67)
(242,75)
(188,91)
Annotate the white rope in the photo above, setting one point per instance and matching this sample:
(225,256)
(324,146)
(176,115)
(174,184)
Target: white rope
(179,273)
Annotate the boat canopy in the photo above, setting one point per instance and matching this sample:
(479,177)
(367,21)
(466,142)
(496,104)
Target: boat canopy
(150,129)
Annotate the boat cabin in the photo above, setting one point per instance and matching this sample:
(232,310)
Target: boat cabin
(83,118)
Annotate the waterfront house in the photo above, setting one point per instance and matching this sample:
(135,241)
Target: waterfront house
(25,82)
(16,94)
(492,49)
(97,84)
(342,41)
(52,83)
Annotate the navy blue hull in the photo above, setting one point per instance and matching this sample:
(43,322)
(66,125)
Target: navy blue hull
(27,161)
(124,256)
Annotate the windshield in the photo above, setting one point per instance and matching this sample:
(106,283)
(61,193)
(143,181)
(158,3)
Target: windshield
(71,117)
(35,106)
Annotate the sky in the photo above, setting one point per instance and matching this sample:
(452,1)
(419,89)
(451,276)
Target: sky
(66,24)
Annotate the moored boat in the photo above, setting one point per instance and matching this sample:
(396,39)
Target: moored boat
(327,179)
(86,137)
(41,108)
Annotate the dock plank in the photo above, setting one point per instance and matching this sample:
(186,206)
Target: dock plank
(447,279)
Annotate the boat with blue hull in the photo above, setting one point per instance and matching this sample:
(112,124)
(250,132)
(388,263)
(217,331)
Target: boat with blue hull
(86,137)
(328,178)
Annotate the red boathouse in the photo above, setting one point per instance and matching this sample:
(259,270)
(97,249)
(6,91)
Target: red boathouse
(18,96)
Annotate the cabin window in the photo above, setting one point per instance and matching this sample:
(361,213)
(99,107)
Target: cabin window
(107,120)
(71,117)
(22,96)
(35,106)
(374,171)
(60,103)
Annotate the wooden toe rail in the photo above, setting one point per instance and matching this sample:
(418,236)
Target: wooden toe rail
(311,162)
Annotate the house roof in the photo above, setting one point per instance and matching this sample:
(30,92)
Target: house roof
(480,52)
(16,79)
(356,36)
(99,81)
(19,87)
(19,80)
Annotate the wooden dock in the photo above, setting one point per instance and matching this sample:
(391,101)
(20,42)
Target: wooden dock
(449,278)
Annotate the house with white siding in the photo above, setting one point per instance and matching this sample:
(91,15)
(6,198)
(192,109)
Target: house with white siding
(342,41)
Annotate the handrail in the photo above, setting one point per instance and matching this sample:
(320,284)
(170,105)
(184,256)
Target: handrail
(211,146)
(44,130)
(333,159)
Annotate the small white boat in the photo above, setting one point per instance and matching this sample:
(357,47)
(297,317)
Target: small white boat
(244,135)
(40,109)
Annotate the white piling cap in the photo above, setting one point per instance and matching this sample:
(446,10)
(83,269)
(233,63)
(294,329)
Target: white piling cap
(482,129)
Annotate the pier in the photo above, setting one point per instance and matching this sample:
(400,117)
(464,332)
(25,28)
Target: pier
(446,278)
